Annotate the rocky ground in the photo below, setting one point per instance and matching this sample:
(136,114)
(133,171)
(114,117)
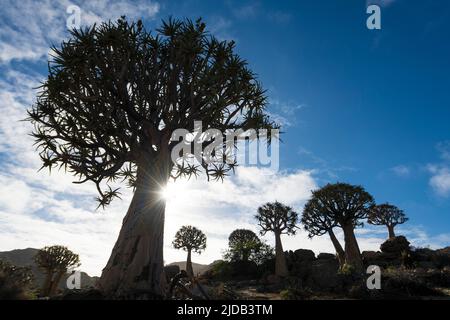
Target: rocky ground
(406,273)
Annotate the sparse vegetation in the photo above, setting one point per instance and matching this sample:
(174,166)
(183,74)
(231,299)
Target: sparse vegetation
(15,282)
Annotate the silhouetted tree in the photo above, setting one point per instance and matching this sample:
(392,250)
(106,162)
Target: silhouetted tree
(242,244)
(15,282)
(279,219)
(264,254)
(107,111)
(316,223)
(189,239)
(344,205)
(386,215)
(55,261)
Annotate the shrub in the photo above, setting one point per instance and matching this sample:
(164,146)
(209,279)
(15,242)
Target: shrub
(15,282)
(296,294)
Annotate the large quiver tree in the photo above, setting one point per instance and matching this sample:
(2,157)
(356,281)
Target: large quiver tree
(346,206)
(106,113)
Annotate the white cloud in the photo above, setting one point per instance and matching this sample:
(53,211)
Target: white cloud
(28,28)
(38,209)
(440,172)
(440,180)
(401,170)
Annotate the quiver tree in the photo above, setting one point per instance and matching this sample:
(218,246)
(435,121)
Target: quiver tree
(190,239)
(279,219)
(386,215)
(107,111)
(55,261)
(316,223)
(243,244)
(344,205)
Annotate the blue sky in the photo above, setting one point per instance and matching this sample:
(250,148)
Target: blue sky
(368,107)
(374,103)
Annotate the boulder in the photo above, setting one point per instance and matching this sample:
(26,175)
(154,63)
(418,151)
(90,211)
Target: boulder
(242,270)
(423,254)
(170,271)
(370,255)
(326,256)
(445,251)
(374,258)
(324,275)
(395,246)
(304,255)
(299,262)
(273,279)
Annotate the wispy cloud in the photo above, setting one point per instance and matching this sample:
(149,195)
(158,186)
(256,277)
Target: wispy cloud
(28,28)
(246,11)
(321,165)
(401,170)
(285,112)
(440,179)
(440,172)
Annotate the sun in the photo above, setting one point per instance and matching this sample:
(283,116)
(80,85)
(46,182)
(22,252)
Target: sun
(165,193)
(174,193)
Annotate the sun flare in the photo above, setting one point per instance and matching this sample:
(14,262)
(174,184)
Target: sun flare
(175,193)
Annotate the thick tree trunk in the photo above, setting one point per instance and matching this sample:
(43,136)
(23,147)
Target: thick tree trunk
(189,270)
(337,246)
(55,283)
(46,287)
(135,267)
(352,252)
(280,260)
(391,231)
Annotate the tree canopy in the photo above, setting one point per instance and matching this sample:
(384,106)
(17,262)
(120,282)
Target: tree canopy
(386,215)
(276,217)
(339,203)
(315,222)
(242,244)
(56,258)
(115,93)
(190,238)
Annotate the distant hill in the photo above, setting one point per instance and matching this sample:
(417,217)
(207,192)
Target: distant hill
(197,267)
(25,258)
